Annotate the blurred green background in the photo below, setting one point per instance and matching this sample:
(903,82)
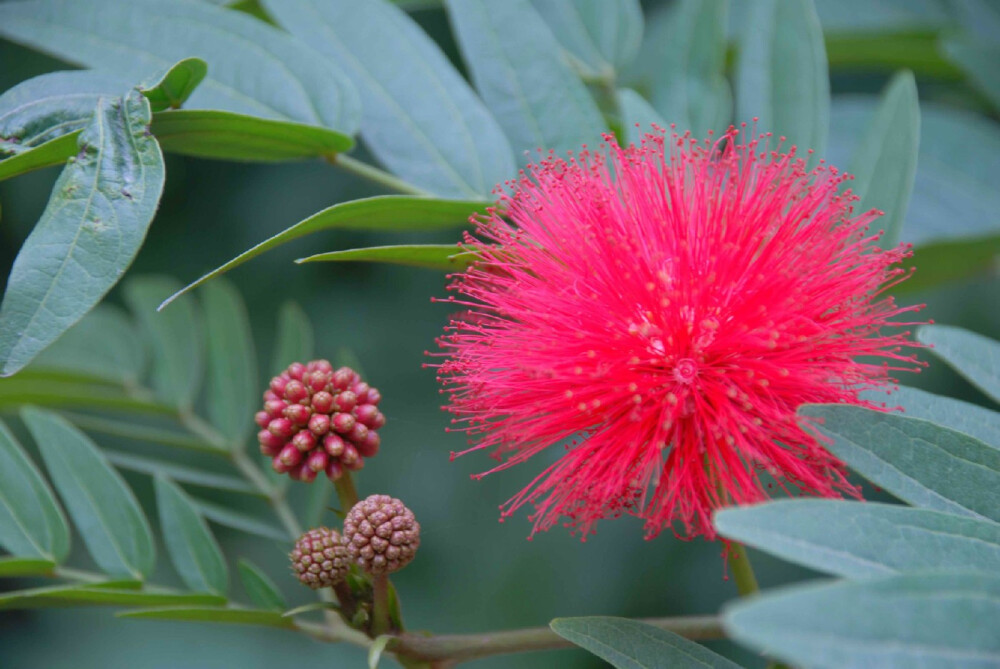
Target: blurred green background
(473,573)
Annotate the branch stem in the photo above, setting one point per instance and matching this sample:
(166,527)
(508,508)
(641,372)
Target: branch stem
(739,562)
(381,624)
(374,174)
(346,492)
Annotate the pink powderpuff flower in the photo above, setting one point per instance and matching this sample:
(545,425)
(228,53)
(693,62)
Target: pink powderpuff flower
(661,311)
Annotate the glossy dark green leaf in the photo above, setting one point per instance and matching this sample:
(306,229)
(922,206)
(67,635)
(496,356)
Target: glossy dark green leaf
(260,588)
(176,84)
(421,119)
(175,336)
(630,644)
(295,338)
(446,257)
(383,212)
(212,615)
(687,82)
(205,133)
(180,473)
(974,58)
(602,36)
(233,394)
(98,500)
(922,463)
(860,540)
(972,419)
(253,68)
(885,163)
(89,233)
(103,345)
(638,116)
(523,76)
(243,522)
(934,621)
(192,547)
(25,566)
(972,355)
(31,522)
(782,77)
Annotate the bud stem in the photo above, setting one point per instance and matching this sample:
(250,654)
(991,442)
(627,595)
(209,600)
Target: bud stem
(346,491)
(381,623)
(739,562)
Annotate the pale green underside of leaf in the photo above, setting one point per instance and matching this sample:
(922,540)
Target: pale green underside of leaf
(972,355)
(446,257)
(212,615)
(192,547)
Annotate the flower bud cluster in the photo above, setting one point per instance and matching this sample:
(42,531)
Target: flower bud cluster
(320,558)
(318,419)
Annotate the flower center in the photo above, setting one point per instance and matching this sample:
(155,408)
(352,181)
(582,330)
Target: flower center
(685,371)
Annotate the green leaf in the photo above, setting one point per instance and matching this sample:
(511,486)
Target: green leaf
(383,212)
(131,431)
(89,233)
(212,615)
(447,257)
(115,597)
(262,591)
(27,388)
(176,337)
(976,421)
(950,261)
(253,68)
(54,152)
(975,357)
(782,77)
(295,338)
(230,136)
(241,521)
(974,58)
(232,363)
(600,35)
(917,620)
(173,87)
(181,473)
(421,119)
(101,504)
(191,545)
(31,522)
(314,606)
(860,540)
(922,463)
(638,116)
(629,644)
(25,566)
(885,163)
(377,648)
(103,345)
(49,596)
(521,74)
(688,86)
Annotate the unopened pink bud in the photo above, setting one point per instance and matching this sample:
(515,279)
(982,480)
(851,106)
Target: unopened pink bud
(350,456)
(322,402)
(298,413)
(290,456)
(319,424)
(358,433)
(281,427)
(318,460)
(374,396)
(304,440)
(278,384)
(296,370)
(369,447)
(334,470)
(262,418)
(334,445)
(345,401)
(343,422)
(275,408)
(296,391)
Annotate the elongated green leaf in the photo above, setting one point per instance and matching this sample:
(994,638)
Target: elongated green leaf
(262,591)
(782,77)
(241,521)
(922,463)
(232,363)
(253,68)
(31,523)
(180,473)
(54,152)
(420,118)
(859,540)
(885,163)
(32,389)
(384,212)
(89,233)
(102,506)
(630,644)
(211,615)
(974,356)
(173,87)
(191,545)
(974,58)
(521,74)
(295,337)
(935,621)
(687,82)
(972,419)
(947,262)
(48,596)
(231,136)
(601,35)
(176,337)
(132,431)
(116,597)
(104,344)
(25,566)
(638,116)
(446,257)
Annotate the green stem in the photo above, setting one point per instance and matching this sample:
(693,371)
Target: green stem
(346,492)
(374,174)
(78,575)
(381,623)
(739,562)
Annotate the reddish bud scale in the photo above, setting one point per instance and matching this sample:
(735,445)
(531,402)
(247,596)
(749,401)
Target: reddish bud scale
(674,303)
(319,419)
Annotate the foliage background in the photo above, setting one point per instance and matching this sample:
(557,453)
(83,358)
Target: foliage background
(472,573)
